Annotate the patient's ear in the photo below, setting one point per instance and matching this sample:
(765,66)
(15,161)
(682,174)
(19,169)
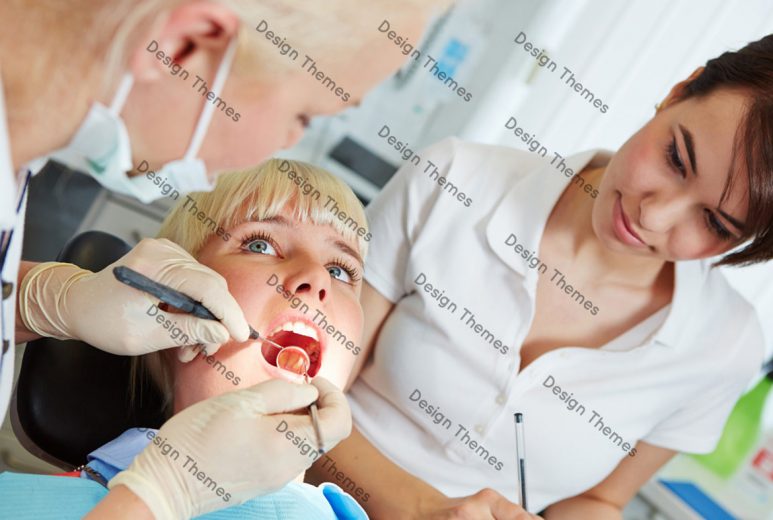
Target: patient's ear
(194,34)
(676,93)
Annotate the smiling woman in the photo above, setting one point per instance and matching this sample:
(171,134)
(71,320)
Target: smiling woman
(657,368)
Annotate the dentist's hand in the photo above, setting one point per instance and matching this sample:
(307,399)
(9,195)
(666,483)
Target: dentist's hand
(63,301)
(241,449)
(486,504)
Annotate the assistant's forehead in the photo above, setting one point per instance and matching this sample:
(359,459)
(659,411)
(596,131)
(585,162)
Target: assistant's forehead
(714,120)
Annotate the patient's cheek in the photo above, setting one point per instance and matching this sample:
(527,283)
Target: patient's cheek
(208,376)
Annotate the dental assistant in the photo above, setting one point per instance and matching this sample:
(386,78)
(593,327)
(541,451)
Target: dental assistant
(577,291)
(105,86)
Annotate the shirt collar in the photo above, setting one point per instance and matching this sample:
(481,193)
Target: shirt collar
(524,210)
(116,455)
(689,279)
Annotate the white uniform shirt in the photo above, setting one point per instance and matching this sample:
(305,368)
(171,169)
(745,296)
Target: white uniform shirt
(14,200)
(439,396)
(9,274)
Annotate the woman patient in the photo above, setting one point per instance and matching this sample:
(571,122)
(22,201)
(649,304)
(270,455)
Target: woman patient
(295,267)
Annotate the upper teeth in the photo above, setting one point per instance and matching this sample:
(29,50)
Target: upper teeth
(298,327)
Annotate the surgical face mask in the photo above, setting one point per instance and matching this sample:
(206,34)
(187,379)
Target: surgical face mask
(101,147)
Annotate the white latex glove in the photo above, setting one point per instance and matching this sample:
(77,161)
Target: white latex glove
(63,301)
(242,450)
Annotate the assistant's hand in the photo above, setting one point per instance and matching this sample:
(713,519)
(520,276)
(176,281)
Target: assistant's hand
(241,449)
(486,504)
(64,301)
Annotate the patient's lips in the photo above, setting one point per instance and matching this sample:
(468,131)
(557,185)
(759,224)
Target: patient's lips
(301,352)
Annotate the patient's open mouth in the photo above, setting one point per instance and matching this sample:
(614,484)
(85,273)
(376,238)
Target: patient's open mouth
(303,338)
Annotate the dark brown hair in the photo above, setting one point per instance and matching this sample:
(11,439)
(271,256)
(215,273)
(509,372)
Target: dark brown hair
(749,71)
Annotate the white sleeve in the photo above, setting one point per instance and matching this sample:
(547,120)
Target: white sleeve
(396,218)
(698,424)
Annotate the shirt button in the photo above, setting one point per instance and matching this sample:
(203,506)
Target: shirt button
(479,428)
(564,354)
(501,399)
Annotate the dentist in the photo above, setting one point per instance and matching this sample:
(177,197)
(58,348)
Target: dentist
(103,86)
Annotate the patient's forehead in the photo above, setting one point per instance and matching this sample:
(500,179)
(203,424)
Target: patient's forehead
(290,218)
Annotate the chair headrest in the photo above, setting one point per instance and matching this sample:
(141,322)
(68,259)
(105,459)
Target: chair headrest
(72,398)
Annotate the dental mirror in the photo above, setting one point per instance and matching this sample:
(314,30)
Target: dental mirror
(293,359)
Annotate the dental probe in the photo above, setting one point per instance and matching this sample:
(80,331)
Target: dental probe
(185,303)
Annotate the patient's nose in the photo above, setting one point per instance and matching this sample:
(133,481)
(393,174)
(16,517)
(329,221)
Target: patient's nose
(313,281)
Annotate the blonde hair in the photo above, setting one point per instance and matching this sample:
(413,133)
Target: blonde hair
(311,194)
(262,192)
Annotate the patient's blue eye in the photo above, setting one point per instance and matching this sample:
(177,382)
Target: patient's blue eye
(338,272)
(261,243)
(261,246)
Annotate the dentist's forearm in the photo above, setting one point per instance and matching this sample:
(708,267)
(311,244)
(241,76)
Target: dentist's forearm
(583,507)
(353,461)
(119,504)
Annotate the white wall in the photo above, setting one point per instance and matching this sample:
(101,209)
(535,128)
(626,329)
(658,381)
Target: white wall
(628,53)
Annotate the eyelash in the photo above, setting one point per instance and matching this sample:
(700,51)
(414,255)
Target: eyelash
(711,221)
(714,225)
(353,272)
(260,235)
(672,156)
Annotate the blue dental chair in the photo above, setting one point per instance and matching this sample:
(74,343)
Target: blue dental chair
(71,398)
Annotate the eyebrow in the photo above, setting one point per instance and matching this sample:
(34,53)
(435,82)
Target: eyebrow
(737,223)
(340,244)
(689,144)
(343,246)
(276,219)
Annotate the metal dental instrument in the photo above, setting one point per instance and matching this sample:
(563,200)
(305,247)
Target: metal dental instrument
(185,303)
(520,454)
(295,359)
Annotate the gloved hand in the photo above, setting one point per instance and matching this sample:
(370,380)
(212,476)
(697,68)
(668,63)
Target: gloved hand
(229,449)
(63,301)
